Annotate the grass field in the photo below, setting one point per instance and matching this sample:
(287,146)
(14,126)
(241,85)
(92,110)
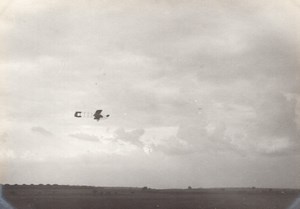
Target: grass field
(83,197)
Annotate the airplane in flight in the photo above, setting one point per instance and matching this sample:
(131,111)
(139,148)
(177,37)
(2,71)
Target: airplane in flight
(97,115)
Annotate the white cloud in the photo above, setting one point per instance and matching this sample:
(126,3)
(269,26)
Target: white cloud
(132,137)
(42,131)
(85,137)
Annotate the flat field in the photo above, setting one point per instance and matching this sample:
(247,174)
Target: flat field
(83,197)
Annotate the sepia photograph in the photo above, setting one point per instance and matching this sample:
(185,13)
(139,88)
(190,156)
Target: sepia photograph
(150,104)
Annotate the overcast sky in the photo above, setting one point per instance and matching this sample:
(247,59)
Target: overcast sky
(200,93)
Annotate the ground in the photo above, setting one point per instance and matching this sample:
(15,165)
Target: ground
(84,197)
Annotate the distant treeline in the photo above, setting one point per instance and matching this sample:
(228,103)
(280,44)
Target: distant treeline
(145,188)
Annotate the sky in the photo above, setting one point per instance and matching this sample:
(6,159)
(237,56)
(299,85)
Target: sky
(200,93)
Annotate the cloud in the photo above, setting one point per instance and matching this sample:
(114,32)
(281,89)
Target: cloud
(85,137)
(159,77)
(42,131)
(268,128)
(3,137)
(276,129)
(132,137)
(195,139)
